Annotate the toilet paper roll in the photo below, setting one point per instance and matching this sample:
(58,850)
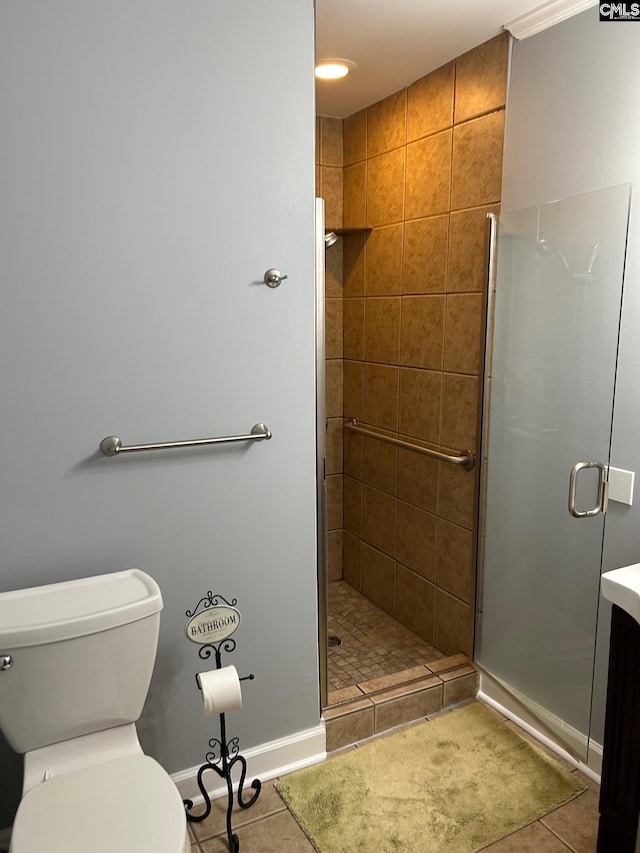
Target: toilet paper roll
(221,690)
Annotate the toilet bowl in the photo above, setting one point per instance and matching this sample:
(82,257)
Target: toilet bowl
(129,804)
(75,664)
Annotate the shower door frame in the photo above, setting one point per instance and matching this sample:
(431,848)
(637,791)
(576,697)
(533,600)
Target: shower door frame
(321,453)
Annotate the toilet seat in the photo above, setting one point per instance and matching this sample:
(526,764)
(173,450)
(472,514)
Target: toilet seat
(130,805)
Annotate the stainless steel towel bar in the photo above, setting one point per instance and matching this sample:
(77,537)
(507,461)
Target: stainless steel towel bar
(112,445)
(467,459)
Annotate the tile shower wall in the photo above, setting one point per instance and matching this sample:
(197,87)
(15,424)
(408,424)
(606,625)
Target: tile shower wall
(329,171)
(421,168)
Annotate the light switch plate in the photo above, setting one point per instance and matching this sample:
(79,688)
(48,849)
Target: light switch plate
(621,485)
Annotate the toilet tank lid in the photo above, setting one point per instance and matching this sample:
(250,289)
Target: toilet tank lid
(62,611)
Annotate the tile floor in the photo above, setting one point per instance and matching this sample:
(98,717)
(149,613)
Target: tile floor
(373,643)
(268,827)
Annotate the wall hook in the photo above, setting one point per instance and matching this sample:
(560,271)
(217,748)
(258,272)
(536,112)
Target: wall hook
(273,278)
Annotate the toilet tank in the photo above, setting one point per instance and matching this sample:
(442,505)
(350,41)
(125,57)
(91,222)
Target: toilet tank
(78,656)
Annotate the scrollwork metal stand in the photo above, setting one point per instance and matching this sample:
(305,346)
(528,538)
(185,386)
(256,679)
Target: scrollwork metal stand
(223,755)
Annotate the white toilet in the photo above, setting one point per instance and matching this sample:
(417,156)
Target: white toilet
(75,664)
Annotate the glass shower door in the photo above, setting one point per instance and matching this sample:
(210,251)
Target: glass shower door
(549,388)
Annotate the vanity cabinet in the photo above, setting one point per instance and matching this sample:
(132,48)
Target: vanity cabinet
(620,785)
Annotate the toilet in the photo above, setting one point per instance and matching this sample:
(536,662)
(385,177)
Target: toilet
(76,660)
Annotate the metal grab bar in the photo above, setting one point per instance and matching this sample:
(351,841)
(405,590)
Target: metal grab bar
(466,459)
(112,445)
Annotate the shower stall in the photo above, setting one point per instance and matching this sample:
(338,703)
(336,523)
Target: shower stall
(552,321)
(369,628)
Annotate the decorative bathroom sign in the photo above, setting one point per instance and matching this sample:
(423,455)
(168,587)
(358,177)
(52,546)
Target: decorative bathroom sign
(213,622)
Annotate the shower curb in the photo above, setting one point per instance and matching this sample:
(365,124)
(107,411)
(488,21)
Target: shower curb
(383,704)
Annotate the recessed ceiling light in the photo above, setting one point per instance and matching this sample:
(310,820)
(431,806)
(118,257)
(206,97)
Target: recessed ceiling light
(334,69)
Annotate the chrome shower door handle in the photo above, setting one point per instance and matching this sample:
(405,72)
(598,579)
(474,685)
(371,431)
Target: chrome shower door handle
(601,505)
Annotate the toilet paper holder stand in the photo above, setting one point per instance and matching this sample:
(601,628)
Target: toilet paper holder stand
(223,754)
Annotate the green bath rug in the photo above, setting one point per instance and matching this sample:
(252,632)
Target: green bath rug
(455,784)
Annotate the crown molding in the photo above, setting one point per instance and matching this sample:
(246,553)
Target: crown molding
(546,16)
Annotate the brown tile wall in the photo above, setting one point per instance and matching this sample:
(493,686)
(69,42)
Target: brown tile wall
(404,328)
(422,168)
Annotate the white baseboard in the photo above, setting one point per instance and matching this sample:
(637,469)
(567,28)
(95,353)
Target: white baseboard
(592,769)
(264,762)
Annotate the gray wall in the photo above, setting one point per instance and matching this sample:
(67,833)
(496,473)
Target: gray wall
(157,157)
(573,126)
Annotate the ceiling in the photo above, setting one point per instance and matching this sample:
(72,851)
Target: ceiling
(394,42)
